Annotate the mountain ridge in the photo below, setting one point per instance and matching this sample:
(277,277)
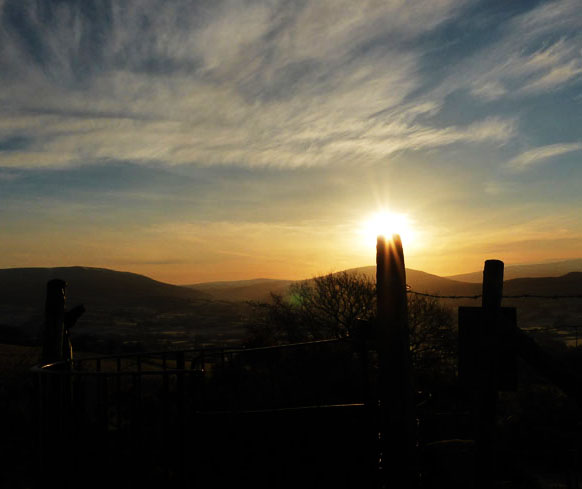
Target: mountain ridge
(99,285)
(243,290)
(104,286)
(133,308)
(528,270)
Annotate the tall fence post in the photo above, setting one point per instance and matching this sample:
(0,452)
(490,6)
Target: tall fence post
(54,321)
(486,392)
(398,425)
(55,390)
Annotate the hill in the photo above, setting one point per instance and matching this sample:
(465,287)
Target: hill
(122,308)
(243,290)
(96,286)
(542,314)
(127,310)
(550,269)
(260,289)
(557,318)
(569,284)
(427,282)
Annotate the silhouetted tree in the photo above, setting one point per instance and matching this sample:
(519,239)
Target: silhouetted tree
(328,307)
(324,307)
(433,337)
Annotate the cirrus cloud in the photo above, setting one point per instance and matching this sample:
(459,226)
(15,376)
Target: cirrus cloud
(541,154)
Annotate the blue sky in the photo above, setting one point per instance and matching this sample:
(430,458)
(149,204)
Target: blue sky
(208,140)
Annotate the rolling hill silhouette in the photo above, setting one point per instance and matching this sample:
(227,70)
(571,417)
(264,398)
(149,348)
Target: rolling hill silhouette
(260,289)
(550,269)
(100,287)
(569,284)
(123,306)
(136,308)
(427,282)
(97,286)
(242,290)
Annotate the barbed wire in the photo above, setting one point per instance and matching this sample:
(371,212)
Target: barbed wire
(436,296)
(534,296)
(479,296)
(545,329)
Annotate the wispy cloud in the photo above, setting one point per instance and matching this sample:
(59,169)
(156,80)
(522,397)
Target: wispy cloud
(541,154)
(489,90)
(264,83)
(557,76)
(533,52)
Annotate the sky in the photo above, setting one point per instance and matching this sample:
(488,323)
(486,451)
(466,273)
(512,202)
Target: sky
(202,140)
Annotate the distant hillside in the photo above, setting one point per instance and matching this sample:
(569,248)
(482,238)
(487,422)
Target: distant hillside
(121,307)
(426,282)
(569,284)
(552,269)
(96,286)
(126,310)
(260,289)
(243,290)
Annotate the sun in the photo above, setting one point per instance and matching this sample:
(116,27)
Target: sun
(385,223)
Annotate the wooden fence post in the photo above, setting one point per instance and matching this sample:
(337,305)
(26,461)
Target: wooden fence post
(486,392)
(55,389)
(54,321)
(398,425)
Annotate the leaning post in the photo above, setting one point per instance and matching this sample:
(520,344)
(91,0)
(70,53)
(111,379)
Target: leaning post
(398,425)
(486,393)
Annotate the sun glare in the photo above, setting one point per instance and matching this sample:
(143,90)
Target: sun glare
(386,224)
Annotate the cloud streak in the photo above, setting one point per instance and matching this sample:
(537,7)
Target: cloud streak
(541,154)
(260,84)
(533,52)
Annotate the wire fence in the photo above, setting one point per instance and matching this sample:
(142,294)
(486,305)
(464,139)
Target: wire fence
(479,296)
